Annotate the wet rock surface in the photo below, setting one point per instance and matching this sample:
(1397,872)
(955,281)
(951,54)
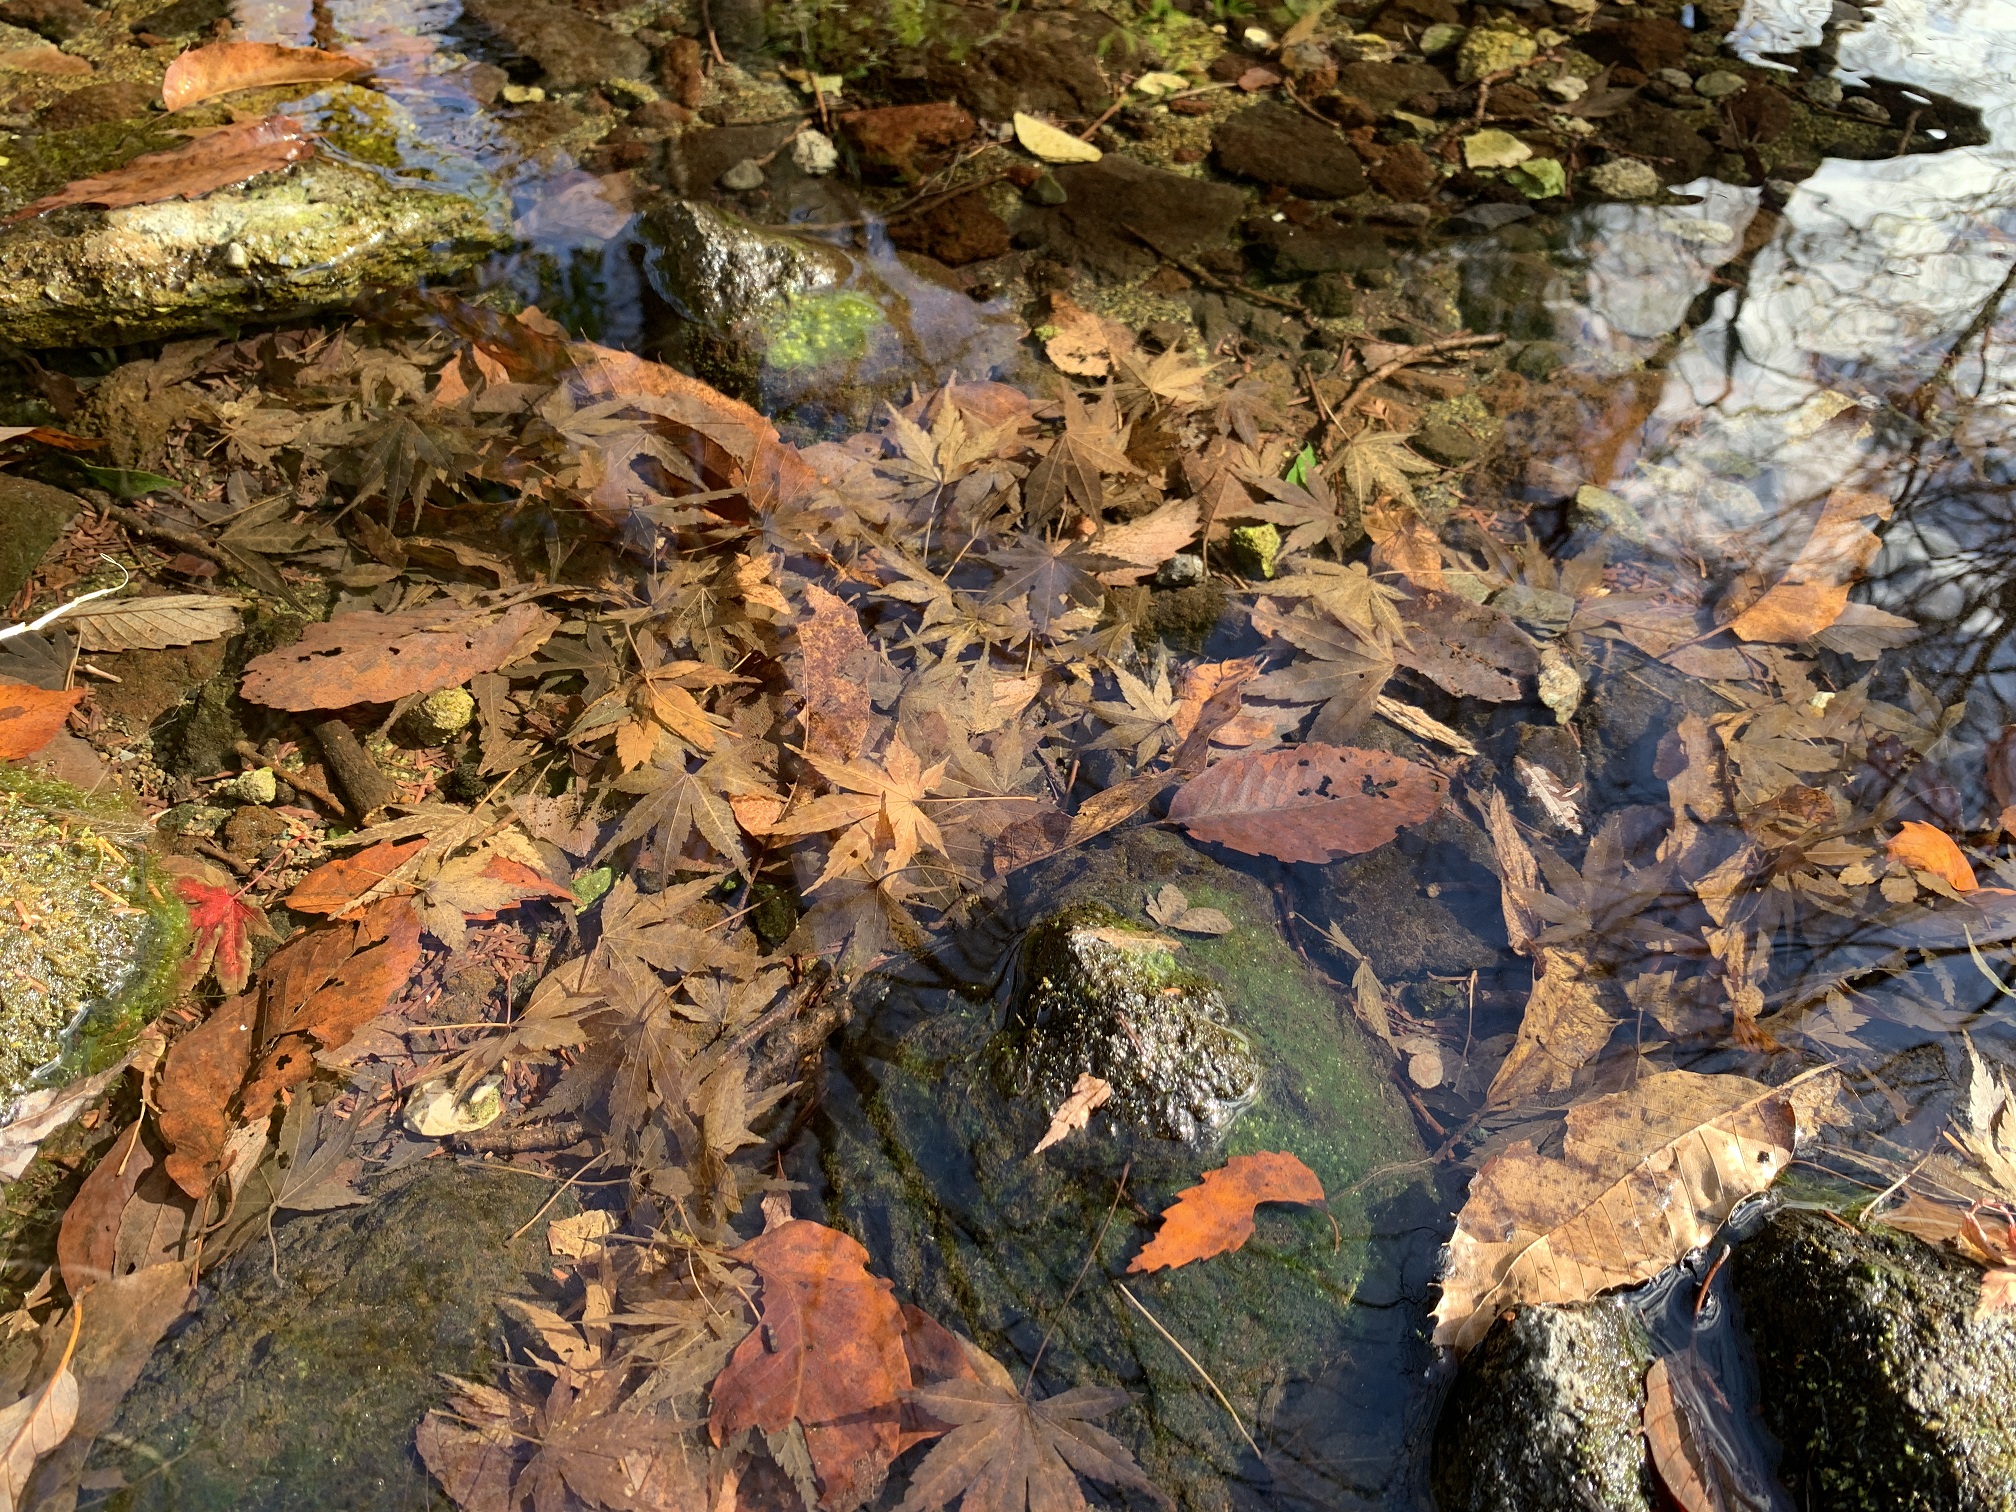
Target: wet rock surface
(1278,145)
(1545,1413)
(300,1381)
(569,47)
(925,1157)
(317,235)
(1107,203)
(782,319)
(1884,1387)
(85,947)
(1105,998)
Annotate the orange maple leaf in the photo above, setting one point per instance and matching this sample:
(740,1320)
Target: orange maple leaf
(1217,1216)
(877,810)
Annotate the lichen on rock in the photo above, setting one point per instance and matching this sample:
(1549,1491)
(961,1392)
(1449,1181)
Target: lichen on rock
(1104,997)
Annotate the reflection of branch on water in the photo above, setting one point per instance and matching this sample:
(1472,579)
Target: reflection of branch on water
(1978,326)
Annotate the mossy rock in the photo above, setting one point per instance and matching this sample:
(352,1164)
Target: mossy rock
(301,1381)
(1546,1413)
(312,237)
(1102,996)
(1883,1386)
(95,957)
(924,1158)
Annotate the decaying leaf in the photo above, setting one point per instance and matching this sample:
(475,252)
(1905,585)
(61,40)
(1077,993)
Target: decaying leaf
(1309,802)
(376,658)
(1217,1217)
(1926,847)
(228,155)
(834,678)
(1814,589)
(203,73)
(1172,910)
(1644,1176)
(1564,1026)
(1681,1454)
(828,1354)
(198,1083)
(32,1427)
(168,619)
(1075,1112)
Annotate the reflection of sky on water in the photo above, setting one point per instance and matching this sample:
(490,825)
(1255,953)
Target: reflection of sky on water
(1862,290)
(572,223)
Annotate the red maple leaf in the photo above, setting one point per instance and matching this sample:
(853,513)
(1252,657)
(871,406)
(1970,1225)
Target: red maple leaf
(222,923)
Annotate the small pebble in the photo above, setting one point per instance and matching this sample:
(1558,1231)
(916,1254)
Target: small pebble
(1183,570)
(1714,86)
(744,176)
(256,786)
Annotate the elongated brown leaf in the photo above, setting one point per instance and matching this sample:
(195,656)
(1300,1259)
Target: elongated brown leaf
(226,156)
(89,1238)
(1309,802)
(1644,1176)
(170,619)
(834,679)
(203,73)
(376,658)
(198,1082)
(1814,590)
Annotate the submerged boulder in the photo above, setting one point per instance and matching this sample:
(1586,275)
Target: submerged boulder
(801,327)
(1546,1413)
(1103,997)
(312,237)
(1884,1387)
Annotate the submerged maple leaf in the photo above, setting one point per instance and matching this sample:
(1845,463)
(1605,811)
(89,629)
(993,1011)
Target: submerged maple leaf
(878,810)
(1006,1453)
(222,923)
(1217,1216)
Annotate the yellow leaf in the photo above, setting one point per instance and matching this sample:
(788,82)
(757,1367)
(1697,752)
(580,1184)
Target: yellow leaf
(1050,144)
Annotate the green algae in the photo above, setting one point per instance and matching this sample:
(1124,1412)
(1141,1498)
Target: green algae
(817,330)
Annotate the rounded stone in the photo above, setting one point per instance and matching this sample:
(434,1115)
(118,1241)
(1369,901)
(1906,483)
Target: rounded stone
(1623,179)
(1718,85)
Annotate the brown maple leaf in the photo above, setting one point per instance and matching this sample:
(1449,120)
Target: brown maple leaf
(877,812)
(1006,1453)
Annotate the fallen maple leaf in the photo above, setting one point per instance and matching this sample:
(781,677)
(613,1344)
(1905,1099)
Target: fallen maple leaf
(1814,590)
(1075,1112)
(377,658)
(1217,1217)
(203,73)
(31,717)
(222,922)
(1006,1453)
(229,155)
(1925,847)
(827,1353)
(1308,802)
(879,808)
(1565,1024)
(1643,1177)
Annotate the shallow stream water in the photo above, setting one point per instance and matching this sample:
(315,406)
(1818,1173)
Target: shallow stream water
(1735,333)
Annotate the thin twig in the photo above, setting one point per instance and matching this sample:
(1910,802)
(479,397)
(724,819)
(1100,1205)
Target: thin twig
(1099,1238)
(557,1193)
(1191,1360)
(1426,352)
(1226,286)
